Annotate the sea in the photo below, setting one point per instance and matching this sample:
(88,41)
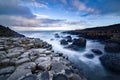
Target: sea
(92,69)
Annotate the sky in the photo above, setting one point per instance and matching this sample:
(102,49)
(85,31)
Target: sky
(22,15)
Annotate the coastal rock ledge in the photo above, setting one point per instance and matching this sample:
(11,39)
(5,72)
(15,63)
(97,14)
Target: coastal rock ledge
(33,59)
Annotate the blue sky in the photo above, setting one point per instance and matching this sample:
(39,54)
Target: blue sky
(58,14)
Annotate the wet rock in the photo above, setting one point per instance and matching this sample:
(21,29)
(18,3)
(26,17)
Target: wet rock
(2,55)
(111,62)
(13,55)
(21,61)
(57,35)
(47,52)
(43,63)
(30,77)
(5,62)
(6,70)
(81,42)
(68,38)
(90,56)
(112,47)
(58,67)
(2,48)
(97,51)
(4,77)
(76,77)
(45,76)
(22,70)
(60,77)
(16,49)
(63,42)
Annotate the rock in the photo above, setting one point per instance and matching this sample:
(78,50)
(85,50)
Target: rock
(57,35)
(4,77)
(16,49)
(2,55)
(68,38)
(97,51)
(2,48)
(47,52)
(22,70)
(58,67)
(112,47)
(5,62)
(90,56)
(30,77)
(21,61)
(63,42)
(72,47)
(60,77)
(7,70)
(76,77)
(43,63)
(45,76)
(81,42)
(111,62)
(13,55)
(68,71)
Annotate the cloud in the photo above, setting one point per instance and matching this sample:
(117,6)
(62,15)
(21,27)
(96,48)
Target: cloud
(13,7)
(35,3)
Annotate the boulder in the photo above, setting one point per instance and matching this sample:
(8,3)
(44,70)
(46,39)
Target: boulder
(58,67)
(45,76)
(90,56)
(13,55)
(111,62)
(4,62)
(60,77)
(112,48)
(97,51)
(7,70)
(43,63)
(68,38)
(30,77)
(21,61)
(57,35)
(22,70)
(63,42)
(81,42)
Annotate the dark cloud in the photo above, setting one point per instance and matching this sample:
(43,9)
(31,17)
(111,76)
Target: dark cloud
(13,7)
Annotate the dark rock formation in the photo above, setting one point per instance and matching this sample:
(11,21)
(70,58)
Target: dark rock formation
(111,33)
(63,42)
(68,38)
(81,42)
(57,35)
(90,56)
(7,32)
(112,47)
(97,51)
(111,62)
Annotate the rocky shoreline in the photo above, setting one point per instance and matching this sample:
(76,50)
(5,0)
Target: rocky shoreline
(33,59)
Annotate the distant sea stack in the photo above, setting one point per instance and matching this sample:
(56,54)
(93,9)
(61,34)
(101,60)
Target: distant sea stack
(109,33)
(7,32)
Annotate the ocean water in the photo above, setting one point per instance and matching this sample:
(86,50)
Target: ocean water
(90,68)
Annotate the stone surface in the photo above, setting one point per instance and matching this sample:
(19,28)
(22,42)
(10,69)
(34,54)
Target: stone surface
(90,56)
(4,62)
(97,51)
(22,70)
(63,42)
(13,55)
(6,70)
(79,42)
(58,67)
(21,61)
(30,77)
(60,77)
(45,76)
(111,62)
(112,48)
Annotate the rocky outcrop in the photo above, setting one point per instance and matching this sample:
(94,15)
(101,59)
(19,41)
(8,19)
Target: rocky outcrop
(97,51)
(81,42)
(112,48)
(111,62)
(63,42)
(7,32)
(111,33)
(33,59)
